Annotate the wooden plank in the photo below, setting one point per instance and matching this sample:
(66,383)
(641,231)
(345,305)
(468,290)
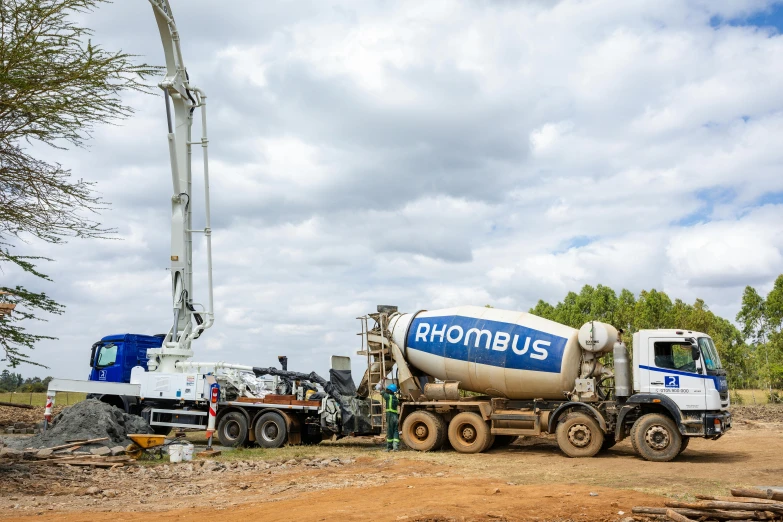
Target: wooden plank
(673,515)
(72,444)
(714,504)
(769,494)
(760,501)
(14,405)
(251,400)
(92,463)
(306,403)
(723,515)
(278,399)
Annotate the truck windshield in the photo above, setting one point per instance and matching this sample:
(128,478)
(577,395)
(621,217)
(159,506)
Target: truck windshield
(107,355)
(711,359)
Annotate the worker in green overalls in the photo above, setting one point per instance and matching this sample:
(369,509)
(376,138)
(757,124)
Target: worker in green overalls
(391,405)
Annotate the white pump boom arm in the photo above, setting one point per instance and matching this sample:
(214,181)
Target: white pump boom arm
(184,98)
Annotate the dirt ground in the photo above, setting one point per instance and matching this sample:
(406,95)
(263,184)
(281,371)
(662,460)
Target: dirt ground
(530,480)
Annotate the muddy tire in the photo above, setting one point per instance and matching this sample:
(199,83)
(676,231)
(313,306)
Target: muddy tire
(632,436)
(469,433)
(232,429)
(579,435)
(271,430)
(490,441)
(656,438)
(424,431)
(684,446)
(501,441)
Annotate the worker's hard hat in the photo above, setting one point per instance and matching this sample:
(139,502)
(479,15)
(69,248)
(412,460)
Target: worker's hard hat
(392,388)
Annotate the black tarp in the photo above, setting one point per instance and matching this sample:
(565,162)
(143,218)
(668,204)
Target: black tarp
(343,382)
(355,412)
(356,416)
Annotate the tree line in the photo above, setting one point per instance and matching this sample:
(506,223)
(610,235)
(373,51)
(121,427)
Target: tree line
(751,354)
(14,382)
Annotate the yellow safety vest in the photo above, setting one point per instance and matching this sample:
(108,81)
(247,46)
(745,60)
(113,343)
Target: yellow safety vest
(391,404)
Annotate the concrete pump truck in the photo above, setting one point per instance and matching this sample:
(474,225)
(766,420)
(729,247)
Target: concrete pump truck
(154,376)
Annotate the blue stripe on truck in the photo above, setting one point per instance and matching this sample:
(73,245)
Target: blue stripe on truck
(720,382)
(482,341)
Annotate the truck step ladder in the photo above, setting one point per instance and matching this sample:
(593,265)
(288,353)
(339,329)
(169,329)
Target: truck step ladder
(376,346)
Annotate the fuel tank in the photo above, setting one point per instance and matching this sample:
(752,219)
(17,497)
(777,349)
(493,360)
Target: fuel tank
(500,353)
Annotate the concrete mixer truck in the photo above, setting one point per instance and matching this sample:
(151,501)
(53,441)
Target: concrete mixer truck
(526,375)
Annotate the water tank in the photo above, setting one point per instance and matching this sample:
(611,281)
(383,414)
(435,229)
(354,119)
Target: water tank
(495,352)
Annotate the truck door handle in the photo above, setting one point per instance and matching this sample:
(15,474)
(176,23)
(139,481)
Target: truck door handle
(657,382)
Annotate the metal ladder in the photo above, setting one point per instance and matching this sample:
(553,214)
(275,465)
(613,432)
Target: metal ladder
(377,368)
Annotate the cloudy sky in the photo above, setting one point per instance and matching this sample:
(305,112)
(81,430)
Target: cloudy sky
(430,154)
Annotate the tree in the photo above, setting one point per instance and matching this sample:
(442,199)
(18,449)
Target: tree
(761,322)
(56,85)
(10,381)
(654,309)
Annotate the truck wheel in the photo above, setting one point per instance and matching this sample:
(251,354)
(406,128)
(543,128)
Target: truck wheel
(656,438)
(579,435)
(424,431)
(685,441)
(468,433)
(271,431)
(490,441)
(232,429)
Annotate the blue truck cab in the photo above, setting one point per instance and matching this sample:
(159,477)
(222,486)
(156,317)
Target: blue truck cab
(114,356)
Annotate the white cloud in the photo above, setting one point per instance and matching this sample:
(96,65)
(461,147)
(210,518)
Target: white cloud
(729,253)
(430,155)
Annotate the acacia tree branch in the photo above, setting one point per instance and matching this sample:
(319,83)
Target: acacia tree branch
(56,85)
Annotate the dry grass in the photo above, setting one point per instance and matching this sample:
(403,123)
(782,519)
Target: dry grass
(753,396)
(39,399)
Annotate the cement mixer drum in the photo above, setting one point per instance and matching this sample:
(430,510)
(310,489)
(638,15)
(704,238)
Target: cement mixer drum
(496,352)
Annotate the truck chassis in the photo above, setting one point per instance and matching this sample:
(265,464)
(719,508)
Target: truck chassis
(270,422)
(475,424)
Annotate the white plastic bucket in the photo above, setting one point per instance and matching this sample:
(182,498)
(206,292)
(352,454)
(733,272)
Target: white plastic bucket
(175,453)
(187,452)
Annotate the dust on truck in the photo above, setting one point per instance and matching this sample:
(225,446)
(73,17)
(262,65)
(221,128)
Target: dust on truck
(531,376)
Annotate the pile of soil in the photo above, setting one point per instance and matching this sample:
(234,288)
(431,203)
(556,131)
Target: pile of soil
(89,419)
(758,413)
(10,415)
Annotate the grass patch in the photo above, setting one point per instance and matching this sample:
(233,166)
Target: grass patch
(750,397)
(39,399)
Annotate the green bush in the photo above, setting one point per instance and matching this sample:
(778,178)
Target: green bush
(736,398)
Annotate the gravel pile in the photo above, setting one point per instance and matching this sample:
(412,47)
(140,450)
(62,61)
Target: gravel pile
(89,419)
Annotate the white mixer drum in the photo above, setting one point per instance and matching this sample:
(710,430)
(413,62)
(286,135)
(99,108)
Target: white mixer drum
(496,352)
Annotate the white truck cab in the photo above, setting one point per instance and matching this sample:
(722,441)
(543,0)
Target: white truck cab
(683,366)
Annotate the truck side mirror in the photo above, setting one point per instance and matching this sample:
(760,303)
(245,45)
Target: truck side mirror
(92,355)
(695,353)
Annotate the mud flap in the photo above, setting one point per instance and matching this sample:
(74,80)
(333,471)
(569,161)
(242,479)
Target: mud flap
(294,428)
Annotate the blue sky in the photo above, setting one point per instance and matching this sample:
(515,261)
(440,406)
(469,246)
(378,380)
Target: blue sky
(770,17)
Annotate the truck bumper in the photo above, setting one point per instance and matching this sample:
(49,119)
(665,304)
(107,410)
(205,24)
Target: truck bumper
(716,424)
